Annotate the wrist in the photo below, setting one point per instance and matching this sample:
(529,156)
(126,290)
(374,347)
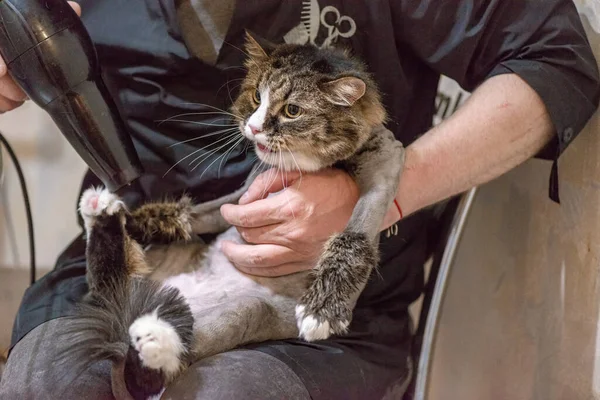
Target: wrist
(400,214)
(408,195)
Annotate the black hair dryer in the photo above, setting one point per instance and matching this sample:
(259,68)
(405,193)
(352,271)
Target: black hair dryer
(50,55)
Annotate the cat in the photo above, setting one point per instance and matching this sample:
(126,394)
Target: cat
(159,298)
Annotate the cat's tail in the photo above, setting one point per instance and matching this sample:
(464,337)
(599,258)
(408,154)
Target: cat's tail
(144,329)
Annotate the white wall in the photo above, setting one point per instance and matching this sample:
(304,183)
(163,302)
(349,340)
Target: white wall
(53,172)
(521,316)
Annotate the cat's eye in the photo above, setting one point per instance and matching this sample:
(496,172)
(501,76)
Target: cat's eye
(256,96)
(292,111)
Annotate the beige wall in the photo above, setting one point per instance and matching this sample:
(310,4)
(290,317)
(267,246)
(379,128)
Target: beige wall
(520,320)
(53,172)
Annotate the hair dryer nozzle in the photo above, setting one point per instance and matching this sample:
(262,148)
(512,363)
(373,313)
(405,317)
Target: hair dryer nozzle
(95,130)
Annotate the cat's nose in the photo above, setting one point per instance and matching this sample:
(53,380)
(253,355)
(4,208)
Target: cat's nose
(254,129)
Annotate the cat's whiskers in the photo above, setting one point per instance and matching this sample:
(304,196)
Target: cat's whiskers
(275,170)
(229,135)
(235,67)
(233,88)
(235,47)
(204,157)
(222,157)
(269,171)
(227,83)
(225,114)
(204,136)
(272,174)
(249,58)
(198,150)
(201,123)
(295,162)
(261,168)
(180,161)
(229,93)
(225,155)
(216,108)
(283,183)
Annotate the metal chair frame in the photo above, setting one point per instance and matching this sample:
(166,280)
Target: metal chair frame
(434,293)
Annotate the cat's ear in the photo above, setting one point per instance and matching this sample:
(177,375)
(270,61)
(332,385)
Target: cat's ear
(257,47)
(344,91)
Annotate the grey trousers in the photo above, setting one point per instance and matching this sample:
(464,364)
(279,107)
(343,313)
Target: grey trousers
(239,374)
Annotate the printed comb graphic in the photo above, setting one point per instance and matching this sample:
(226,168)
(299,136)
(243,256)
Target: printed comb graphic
(310,17)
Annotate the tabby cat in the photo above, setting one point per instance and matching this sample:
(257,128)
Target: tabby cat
(160,298)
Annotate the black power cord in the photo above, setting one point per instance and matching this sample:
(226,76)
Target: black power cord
(15,161)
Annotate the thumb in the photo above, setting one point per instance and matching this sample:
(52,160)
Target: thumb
(75,7)
(270,181)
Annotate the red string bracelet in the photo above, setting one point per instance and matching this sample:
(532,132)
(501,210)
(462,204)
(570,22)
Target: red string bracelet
(398,207)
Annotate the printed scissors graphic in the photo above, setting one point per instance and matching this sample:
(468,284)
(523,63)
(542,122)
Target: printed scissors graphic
(342,25)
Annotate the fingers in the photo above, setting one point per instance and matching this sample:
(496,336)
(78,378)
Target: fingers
(261,260)
(11,95)
(270,181)
(265,212)
(10,90)
(281,270)
(8,105)
(272,234)
(75,7)
(261,235)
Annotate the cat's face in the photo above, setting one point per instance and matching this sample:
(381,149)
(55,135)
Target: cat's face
(298,108)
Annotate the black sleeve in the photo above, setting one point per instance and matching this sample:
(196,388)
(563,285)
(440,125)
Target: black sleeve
(542,41)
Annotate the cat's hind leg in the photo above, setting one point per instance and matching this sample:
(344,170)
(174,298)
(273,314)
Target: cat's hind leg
(240,320)
(98,204)
(104,324)
(231,308)
(112,256)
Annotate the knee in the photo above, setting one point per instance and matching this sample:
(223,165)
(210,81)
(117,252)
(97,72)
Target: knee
(31,374)
(28,381)
(235,375)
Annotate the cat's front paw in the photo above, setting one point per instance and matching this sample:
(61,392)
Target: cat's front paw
(157,343)
(340,275)
(320,324)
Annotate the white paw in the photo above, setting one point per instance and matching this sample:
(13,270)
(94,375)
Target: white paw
(95,201)
(311,329)
(157,342)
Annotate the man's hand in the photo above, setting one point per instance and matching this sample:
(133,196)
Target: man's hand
(287,230)
(11,95)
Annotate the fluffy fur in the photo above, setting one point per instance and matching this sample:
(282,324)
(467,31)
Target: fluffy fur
(338,100)
(160,299)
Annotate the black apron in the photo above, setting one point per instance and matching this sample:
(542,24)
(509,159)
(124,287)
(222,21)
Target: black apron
(153,77)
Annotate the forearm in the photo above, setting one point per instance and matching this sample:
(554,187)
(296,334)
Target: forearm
(501,125)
